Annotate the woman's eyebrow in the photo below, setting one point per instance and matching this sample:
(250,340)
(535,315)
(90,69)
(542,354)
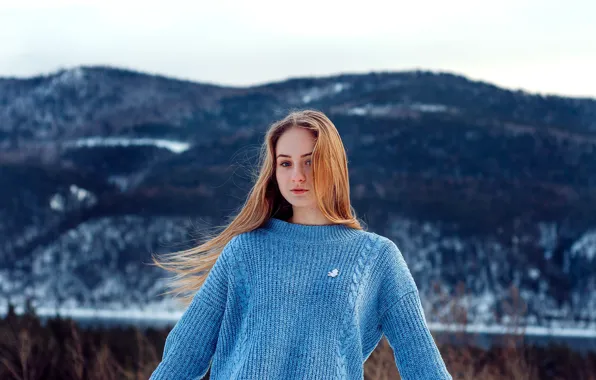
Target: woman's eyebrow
(285,155)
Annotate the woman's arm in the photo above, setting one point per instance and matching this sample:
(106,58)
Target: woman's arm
(191,343)
(404,325)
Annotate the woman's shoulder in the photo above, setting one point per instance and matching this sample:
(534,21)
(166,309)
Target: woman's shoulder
(384,248)
(379,241)
(246,236)
(242,241)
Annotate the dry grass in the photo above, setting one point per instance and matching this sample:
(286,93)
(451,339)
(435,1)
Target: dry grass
(62,350)
(509,358)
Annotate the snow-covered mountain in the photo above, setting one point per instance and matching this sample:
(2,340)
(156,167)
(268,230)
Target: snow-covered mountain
(482,188)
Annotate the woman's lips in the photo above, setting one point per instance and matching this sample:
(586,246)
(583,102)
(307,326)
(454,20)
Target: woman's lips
(299,191)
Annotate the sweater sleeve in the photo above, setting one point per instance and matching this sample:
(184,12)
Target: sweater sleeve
(191,343)
(403,322)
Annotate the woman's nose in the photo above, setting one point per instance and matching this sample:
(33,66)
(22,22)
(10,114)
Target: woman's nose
(298,175)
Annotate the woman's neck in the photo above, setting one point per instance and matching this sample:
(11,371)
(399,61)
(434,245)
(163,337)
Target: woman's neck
(308,217)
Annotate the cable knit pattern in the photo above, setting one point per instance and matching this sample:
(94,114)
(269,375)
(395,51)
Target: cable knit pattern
(293,301)
(364,257)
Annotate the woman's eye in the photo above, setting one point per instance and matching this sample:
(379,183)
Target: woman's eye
(309,162)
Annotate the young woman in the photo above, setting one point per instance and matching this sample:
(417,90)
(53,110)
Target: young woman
(296,288)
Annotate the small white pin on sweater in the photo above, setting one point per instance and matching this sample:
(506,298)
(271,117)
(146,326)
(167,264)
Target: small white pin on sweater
(333,273)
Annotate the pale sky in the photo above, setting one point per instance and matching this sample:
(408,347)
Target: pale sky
(541,46)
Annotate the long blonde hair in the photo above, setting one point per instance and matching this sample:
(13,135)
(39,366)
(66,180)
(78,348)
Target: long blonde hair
(330,185)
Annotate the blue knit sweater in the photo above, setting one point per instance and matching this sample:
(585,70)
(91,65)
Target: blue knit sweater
(293,301)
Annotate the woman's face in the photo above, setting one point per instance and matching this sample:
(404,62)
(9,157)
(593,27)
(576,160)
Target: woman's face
(294,166)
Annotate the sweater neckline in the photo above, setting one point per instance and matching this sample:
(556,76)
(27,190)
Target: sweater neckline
(309,232)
